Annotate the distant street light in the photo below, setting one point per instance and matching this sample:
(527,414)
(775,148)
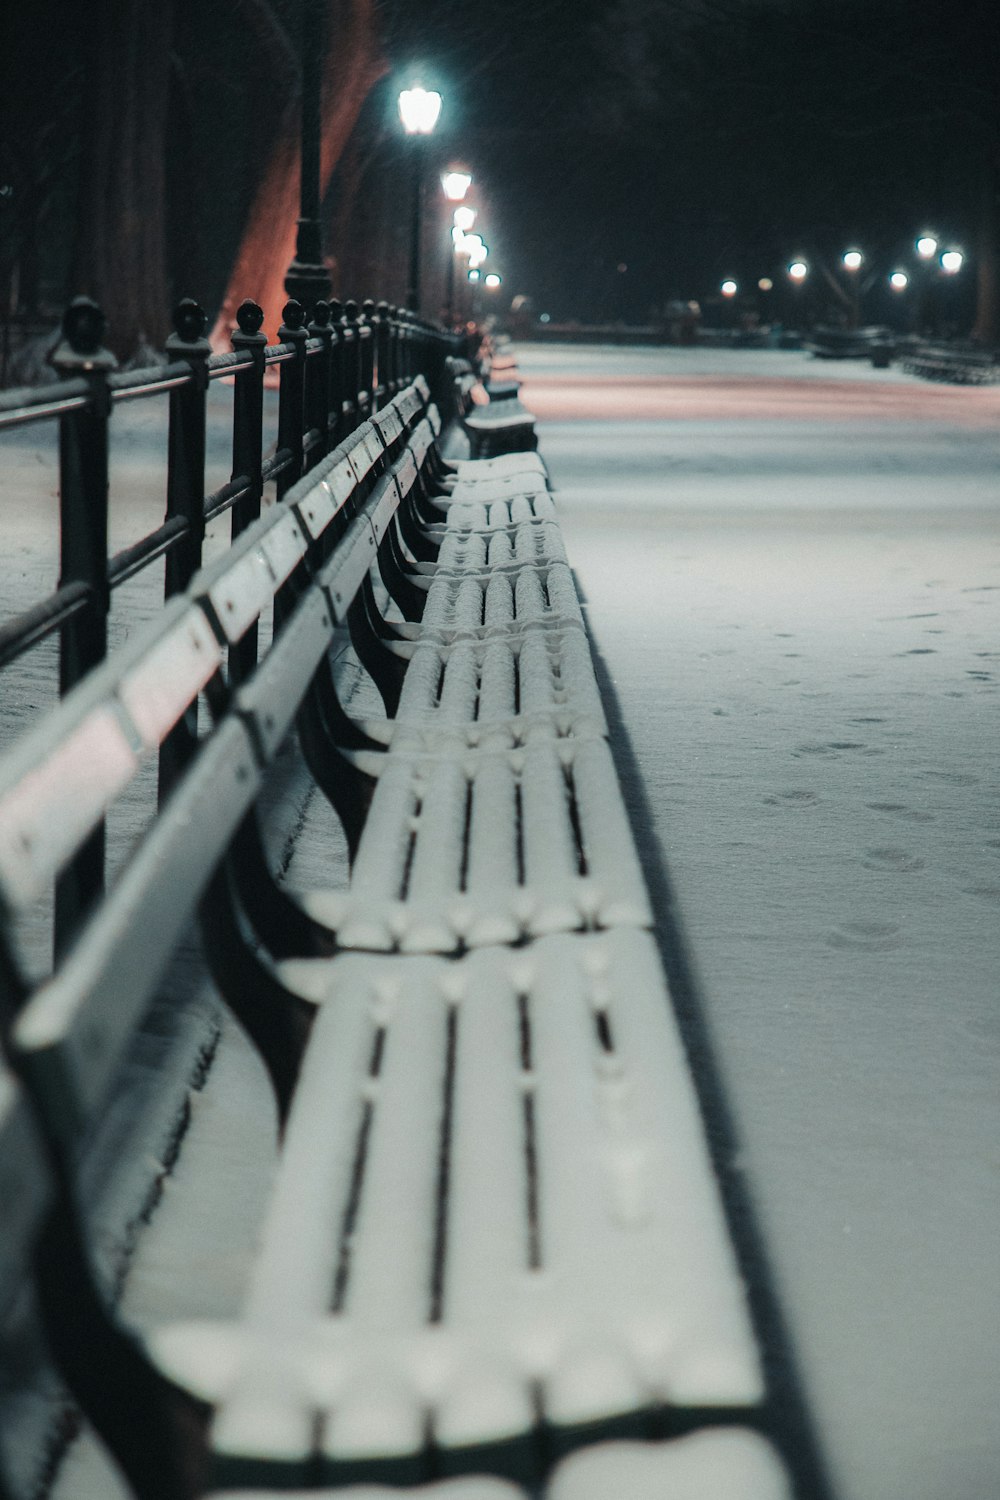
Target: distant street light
(798,270)
(729,289)
(463,219)
(418,109)
(899,281)
(766,284)
(927,247)
(852,260)
(456,182)
(492,281)
(952,261)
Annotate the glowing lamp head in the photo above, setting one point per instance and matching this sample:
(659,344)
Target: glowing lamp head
(766,284)
(852,260)
(463,219)
(492,281)
(456,183)
(899,281)
(419,109)
(798,270)
(926,246)
(952,262)
(729,289)
(474,274)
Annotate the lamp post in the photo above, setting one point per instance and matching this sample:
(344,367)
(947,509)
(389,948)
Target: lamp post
(307,279)
(418,109)
(798,272)
(852,261)
(455,184)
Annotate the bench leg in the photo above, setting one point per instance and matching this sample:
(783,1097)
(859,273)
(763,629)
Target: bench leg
(277,1022)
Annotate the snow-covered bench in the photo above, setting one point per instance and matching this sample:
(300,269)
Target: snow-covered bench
(495,422)
(495,1232)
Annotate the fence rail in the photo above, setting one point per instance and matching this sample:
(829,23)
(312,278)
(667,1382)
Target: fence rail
(331,375)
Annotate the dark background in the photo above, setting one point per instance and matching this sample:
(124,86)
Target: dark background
(684,140)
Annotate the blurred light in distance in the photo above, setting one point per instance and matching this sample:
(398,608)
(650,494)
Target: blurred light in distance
(729,289)
(798,270)
(926,246)
(766,284)
(544,318)
(492,281)
(464,218)
(952,261)
(899,281)
(853,260)
(474,275)
(419,109)
(456,183)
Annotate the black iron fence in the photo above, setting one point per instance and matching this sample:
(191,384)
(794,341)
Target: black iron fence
(332,373)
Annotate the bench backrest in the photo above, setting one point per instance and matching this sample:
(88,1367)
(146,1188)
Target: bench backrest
(63,778)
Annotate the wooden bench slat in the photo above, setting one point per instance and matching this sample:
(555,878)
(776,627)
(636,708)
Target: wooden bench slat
(49,811)
(71,1034)
(160,688)
(482,847)
(531,1198)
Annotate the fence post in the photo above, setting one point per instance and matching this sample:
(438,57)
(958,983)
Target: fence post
(248,444)
(185,498)
(292,393)
(366,384)
(319,384)
(338,375)
(186,443)
(383,370)
(353,362)
(83,519)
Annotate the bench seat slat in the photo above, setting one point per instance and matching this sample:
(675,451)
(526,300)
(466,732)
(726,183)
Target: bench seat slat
(436,822)
(580,1247)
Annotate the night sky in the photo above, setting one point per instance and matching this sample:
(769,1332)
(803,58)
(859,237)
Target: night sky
(692,139)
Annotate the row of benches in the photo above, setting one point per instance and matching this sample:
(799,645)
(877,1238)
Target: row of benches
(494,1235)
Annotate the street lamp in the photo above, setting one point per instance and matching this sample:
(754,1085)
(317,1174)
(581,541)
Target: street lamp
(463,219)
(952,262)
(492,281)
(899,281)
(418,109)
(927,247)
(798,270)
(729,289)
(852,261)
(455,183)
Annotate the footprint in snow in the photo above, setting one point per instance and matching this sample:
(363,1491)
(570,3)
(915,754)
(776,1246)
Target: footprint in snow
(900,810)
(791,799)
(891,859)
(865,937)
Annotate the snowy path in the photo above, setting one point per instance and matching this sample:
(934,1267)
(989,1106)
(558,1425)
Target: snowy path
(793,573)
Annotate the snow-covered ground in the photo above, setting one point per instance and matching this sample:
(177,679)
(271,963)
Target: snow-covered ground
(793,576)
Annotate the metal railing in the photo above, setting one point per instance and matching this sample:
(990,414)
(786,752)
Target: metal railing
(332,374)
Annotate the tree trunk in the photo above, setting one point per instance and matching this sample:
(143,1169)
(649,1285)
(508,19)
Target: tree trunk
(120,247)
(353,64)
